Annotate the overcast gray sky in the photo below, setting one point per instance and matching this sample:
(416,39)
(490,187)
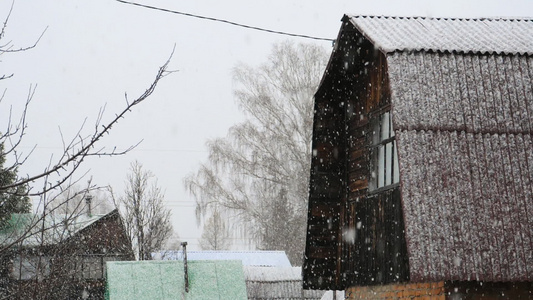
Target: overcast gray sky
(95,51)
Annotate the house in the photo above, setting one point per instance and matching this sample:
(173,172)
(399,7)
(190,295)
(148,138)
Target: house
(280,283)
(60,256)
(248,258)
(171,279)
(422,167)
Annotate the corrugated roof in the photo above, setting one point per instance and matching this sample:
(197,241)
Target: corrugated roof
(486,35)
(481,94)
(464,129)
(254,273)
(161,280)
(248,258)
(57,227)
(282,283)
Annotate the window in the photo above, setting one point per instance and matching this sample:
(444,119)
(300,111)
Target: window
(92,267)
(384,157)
(26,267)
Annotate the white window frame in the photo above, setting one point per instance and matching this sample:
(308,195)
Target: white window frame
(384,171)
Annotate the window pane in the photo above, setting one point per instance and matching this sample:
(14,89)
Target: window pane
(375,131)
(29,267)
(92,267)
(373,183)
(381,166)
(384,159)
(22,268)
(385,126)
(396,167)
(388,164)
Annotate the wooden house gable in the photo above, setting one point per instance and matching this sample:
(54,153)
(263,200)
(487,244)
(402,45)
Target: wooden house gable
(460,99)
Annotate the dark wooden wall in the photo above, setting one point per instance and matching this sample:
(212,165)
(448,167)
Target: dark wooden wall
(354,237)
(327,192)
(379,253)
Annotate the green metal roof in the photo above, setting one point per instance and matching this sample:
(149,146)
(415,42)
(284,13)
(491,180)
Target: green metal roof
(165,280)
(57,228)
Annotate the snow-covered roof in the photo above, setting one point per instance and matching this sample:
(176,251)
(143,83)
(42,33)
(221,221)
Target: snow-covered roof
(483,35)
(254,273)
(282,283)
(57,228)
(248,258)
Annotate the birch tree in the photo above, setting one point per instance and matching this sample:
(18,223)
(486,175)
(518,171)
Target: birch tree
(215,235)
(259,172)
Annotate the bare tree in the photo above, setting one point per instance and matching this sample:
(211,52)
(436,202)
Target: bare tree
(259,173)
(52,186)
(146,219)
(74,153)
(215,235)
(59,173)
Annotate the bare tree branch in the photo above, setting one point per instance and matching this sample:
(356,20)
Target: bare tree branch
(58,197)
(73,156)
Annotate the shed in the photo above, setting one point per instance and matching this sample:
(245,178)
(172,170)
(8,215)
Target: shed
(162,280)
(277,283)
(422,165)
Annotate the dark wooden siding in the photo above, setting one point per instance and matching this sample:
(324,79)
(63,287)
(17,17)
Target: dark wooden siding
(327,192)
(352,238)
(378,253)
(329,181)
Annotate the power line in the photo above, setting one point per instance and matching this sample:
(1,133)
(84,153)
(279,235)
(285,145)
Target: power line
(227,22)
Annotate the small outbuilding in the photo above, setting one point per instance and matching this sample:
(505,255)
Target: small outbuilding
(277,283)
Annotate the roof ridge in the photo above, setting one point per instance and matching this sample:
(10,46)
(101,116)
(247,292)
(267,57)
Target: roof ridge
(500,18)
(456,35)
